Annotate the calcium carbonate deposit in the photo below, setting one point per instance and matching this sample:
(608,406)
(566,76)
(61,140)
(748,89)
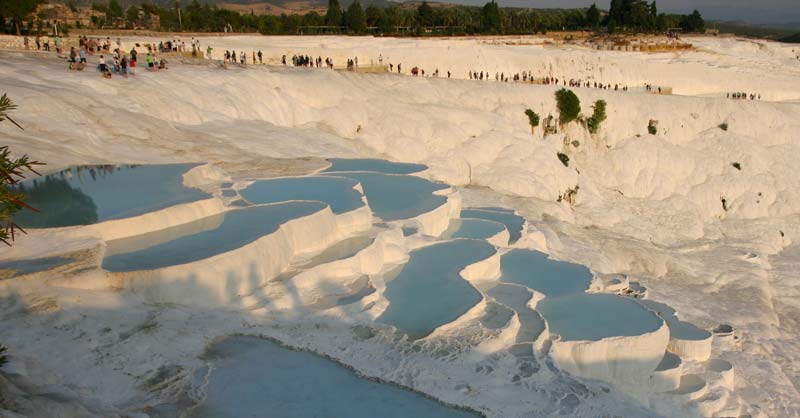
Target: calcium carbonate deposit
(224,241)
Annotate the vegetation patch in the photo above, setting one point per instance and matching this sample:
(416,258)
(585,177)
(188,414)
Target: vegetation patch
(569,106)
(652,127)
(564,158)
(598,116)
(533,119)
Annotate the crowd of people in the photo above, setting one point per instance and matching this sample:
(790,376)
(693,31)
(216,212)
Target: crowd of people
(307,61)
(743,96)
(112,60)
(230,57)
(43,45)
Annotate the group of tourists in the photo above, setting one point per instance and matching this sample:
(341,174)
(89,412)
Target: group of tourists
(115,62)
(43,45)
(744,96)
(230,57)
(98,45)
(311,62)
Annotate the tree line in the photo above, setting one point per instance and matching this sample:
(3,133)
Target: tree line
(623,16)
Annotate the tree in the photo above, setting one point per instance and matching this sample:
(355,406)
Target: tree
(593,16)
(18,10)
(425,14)
(12,171)
(598,116)
(114,9)
(355,18)
(533,119)
(491,18)
(615,14)
(693,22)
(132,15)
(375,15)
(333,16)
(569,106)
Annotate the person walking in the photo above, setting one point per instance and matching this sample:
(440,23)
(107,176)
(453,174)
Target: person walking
(123,66)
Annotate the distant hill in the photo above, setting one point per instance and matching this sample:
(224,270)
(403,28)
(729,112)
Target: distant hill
(794,39)
(776,32)
(262,7)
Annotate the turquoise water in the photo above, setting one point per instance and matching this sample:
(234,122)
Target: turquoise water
(337,192)
(375,165)
(677,329)
(88,194)
(494,209)
(536,271)
(203,238)
(596,316)
(394,197)
(472,228)
(258,378)
(512,221)
(428,291)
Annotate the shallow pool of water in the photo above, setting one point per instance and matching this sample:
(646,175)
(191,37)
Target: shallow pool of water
(428,291)
(472,228)
(338,192)
(258,378)
(394,197)
(88,194)
(203,238)
(374,165)
(511,220)
(677,329)
(535,270)
(596,316)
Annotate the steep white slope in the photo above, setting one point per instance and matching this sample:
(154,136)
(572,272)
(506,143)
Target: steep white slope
(648,206)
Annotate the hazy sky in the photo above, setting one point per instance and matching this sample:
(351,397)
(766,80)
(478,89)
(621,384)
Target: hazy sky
(755,11)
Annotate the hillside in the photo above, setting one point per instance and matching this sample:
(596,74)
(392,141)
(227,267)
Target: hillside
(792,38)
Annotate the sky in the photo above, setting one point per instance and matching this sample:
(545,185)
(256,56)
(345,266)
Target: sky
(753,11)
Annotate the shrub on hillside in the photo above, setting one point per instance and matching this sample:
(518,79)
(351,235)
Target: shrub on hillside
(533,119)
(723,126)
(652,127)
(564,159)
(12,170)
(598,116)
(569,106)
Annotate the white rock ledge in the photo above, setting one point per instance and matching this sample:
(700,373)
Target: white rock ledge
(626,362)
(222,279)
